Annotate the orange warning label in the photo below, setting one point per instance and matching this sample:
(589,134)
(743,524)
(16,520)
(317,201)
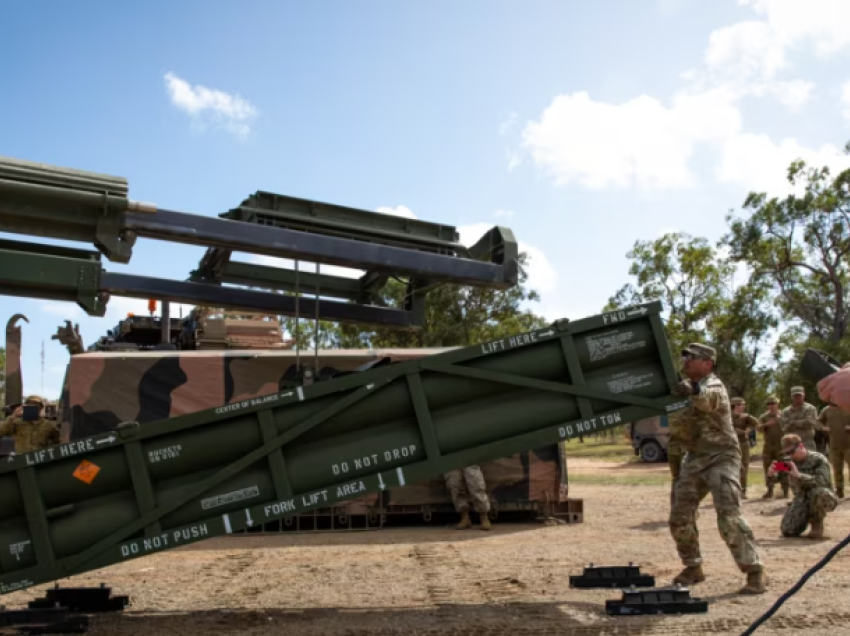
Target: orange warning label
(86,471)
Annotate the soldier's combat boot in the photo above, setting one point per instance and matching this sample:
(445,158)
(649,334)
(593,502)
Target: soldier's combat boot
(485,521)
(769,493)
(816,531)
(785,492)
(839,492)
(465,521)
(691,575)
(756,583)
(744,494)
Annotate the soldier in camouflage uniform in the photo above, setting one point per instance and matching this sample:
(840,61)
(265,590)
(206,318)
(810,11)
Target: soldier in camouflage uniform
(30,436)
(837,422)
(743,423)
(813,494)
(712,464)
(800,418)
(772,436)
(464,485)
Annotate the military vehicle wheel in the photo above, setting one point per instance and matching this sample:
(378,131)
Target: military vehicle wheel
(651,451)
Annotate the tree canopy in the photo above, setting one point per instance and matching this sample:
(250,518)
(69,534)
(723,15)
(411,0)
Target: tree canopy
(776,283)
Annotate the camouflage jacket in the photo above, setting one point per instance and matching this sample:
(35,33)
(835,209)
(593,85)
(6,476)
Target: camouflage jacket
(802,421)
(742,424)
(707,422)
(30,436)
(814,472)
(835,420)
(772,432)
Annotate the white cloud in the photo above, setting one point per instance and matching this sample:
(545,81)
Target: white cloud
(845,100)
(206,105)
(822,23)
(503,214)
(640,143)
(398,211)
(743,53)
(757,163)
(647,144)
(542,275)
(793,94)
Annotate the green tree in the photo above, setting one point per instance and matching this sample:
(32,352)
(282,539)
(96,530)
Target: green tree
(696,287)
(686,275)
(797,247)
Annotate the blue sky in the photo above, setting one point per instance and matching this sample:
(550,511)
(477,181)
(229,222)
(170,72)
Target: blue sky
(581,126)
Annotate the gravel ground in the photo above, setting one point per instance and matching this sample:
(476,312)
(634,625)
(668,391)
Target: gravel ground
(513,580)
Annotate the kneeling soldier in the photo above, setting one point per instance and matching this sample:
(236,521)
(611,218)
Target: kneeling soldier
(814,497)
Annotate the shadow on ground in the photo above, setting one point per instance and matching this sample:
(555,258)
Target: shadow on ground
(539,618)
(388,536)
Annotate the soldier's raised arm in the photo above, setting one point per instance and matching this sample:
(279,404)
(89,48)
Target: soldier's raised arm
(821,478)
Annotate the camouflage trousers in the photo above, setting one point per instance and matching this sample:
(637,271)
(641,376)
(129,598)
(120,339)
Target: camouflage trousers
(721,477)
(674,459)
(465,485)
(745,462)
(808,506)
(838,457)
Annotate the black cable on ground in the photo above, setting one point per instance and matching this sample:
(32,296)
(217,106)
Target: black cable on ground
(799,584)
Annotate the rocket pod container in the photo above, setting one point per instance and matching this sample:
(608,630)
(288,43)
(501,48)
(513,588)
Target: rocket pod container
(104,499)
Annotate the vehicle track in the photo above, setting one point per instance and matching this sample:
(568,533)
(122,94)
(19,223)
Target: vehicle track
(469,585)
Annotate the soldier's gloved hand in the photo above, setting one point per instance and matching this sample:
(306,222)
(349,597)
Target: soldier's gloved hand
(683,389)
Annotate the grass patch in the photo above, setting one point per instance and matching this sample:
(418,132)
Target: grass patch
(609,479)
(630,478)
(619,451)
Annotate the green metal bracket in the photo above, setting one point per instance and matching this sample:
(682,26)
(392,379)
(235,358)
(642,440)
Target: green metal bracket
(58,274)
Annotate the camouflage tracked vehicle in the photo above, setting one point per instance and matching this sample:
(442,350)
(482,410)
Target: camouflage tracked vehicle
(128,376)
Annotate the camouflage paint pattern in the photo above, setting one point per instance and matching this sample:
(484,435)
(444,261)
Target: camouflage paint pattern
(837,422)
(720,476)
(468,488)
(743,424)
(107,388)
(801,421)
(814,497)
(14,381)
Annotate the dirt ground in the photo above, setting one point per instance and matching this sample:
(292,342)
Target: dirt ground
(513,580)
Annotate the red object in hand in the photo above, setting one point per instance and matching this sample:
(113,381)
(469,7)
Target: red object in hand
(782,467)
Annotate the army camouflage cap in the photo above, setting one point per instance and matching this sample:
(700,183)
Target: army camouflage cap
(34,399)
(790,442)
(700,351)
(737,400)
(798,390)
(772,399)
